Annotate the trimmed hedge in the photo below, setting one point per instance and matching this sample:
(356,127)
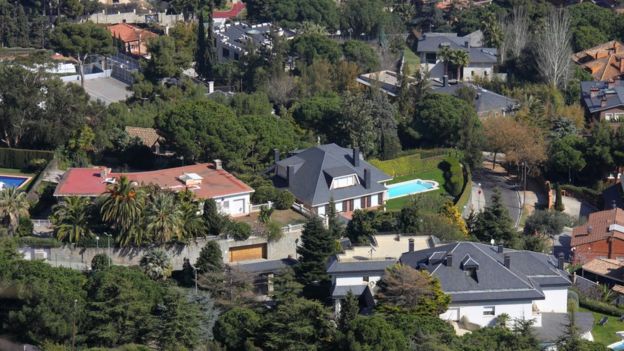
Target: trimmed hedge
(601,307)
(34,241)
(467,191)
(592,196)
(21,158)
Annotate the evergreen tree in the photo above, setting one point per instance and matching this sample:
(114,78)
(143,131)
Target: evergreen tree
(494,222)
(286,286)
(334,226)
(205,54)
(349,309)
(200,53)
(558,199)
(214,221)
(317,245)
(210,258)
(360,229)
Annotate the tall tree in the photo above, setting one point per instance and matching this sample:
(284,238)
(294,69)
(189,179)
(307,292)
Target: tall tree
(163,218)
(204,54)
(349,309)
(553,48)
(370,333)
(316,246)
(210,258)
(494,222)
(121,207)
(178,322)
(70,219)
(236,326)
(81,40)
(333,225)
(213,220)
(156,264)
(515,32)
(13,206)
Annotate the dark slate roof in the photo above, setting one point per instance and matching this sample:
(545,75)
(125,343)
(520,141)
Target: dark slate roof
(237,35)
(613,96)
(486,102)
(312,178)
(433,42)
(342,290)
(528,272)
(361,266)
(265,266)
(554,325)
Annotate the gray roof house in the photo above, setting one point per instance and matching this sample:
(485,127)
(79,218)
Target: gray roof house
(485,281)
(321,173)
(481,60)
(603,100)
(233,40)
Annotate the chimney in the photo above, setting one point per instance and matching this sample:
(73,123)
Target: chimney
(210,87)
(603,101)
(593,92)
(500,249)
(367,178)
(589,229)
(444,80)
(467,43)
(449,260)
(507,261)
(560,261)
(276,155)
(290,174)
(218,165)
(356,156)
(410,245)
(611,84)
(104,171)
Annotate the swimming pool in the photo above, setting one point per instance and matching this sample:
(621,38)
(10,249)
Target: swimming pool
(411,187)
(12,181)
(616,346)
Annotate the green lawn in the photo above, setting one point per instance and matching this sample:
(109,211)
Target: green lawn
(411,60)
(11,171)
(605,334)
(398,203)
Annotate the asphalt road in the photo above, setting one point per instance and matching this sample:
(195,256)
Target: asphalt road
(490,180)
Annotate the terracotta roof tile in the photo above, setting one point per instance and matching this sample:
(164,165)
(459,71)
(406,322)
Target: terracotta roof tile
(148,136)
(128,33)
(618,289)
(597,227)
(603,61)
(231,13)
(605,267)
(214,183)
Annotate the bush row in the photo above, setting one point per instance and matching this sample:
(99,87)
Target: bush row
(587,194)
(601,307)
(34,241)
(30,160)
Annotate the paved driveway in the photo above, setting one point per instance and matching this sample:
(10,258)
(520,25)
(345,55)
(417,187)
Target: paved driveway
(107,90)
(491,179)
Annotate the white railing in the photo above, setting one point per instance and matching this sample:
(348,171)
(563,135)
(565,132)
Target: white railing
(292,228)
(301,209)
(256,208)
(41,222)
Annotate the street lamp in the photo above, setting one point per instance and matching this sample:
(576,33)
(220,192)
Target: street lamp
(97,242)
(479,197)
(195,271)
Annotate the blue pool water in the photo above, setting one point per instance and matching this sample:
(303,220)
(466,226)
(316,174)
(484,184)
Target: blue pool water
(617,346)
(409,188)
(12,182)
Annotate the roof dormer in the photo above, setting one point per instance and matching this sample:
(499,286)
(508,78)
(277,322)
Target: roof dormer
(190,179)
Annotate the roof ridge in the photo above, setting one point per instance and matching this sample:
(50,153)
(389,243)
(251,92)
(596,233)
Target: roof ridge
(509,270)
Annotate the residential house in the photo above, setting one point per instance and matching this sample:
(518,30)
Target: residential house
(262,272)
(232,11)
(131,39)
(148,137)
(601,237)
(359,268)
(235,40)
(323,173)
(481,60)
(205,180)
(486,103)
(603,101)
(604,62)
(485,281)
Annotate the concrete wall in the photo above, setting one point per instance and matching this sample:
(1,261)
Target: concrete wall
(76,77)
(556,300)
(80,258)
(474,312)
(133,17)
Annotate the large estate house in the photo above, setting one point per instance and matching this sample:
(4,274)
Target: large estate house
(603,100)
(323,173)
(205,180)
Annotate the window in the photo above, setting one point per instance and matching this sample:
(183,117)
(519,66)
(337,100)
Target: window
(374,200)
(488,311)
(618,117)
(225,204)
(608,116)
(365,278)
(343,182)
(338,207)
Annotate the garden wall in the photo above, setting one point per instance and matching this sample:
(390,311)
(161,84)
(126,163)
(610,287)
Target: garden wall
(19,158)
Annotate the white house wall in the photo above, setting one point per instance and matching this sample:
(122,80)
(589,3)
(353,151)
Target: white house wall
(474,312)
(556,300)
(351,280)
(232,200)
(475,70)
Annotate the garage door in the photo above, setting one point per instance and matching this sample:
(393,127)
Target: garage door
(237,207)
(250,252)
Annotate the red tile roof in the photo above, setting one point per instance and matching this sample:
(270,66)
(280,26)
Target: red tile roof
(599,223)
(215,183)
(605,267)
(128,33)
(604,61)
(231,13)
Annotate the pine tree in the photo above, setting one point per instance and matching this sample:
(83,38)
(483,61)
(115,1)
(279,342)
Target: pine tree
(494,222)
(317,245)
(349,309)
(210,258)
(334,226)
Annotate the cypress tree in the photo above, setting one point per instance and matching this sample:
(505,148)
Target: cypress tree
(200,53)
(317,245)
(558,198)
(205,54)
(334,226)
(210,258)
(494,222)
(349,309)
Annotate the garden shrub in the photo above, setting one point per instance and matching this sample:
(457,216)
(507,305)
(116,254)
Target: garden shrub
(264,194)
(34,241)
(284,200)
(238,230)
(25,227)
(35,165)
(100,262)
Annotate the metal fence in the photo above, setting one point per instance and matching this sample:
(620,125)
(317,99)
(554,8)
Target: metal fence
(123,67)
(257,208)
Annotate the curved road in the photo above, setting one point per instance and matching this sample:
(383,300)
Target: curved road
(489,180)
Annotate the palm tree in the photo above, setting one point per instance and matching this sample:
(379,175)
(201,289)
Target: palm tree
(163,217)
(156,264)
(460,58)
(445,53)
(13,205)
(122,205)
(71,219)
